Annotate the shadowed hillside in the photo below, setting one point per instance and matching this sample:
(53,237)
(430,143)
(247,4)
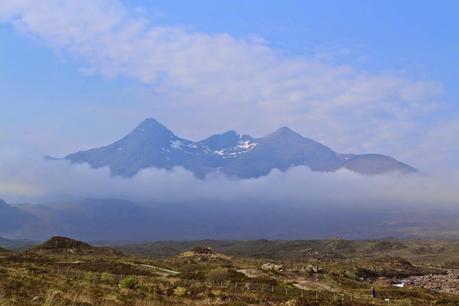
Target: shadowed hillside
(59,244)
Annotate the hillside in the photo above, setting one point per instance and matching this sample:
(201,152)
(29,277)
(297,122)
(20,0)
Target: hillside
(443,252)
(58,244)
(13,218)
(100,219)
(16,244)
(329,272)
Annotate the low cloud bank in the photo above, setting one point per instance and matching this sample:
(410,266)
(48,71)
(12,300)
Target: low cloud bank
(23,179)
(170,205)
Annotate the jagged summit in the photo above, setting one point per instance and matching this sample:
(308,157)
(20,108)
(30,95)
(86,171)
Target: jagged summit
(229,144)
(152,145)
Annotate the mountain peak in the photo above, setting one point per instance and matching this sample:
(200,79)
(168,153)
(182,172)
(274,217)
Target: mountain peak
(232,133)
(148,129)
(285,129)
(150,124)
(284,132)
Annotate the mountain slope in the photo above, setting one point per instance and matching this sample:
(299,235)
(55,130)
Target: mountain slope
(13,219)
(153,145)
(16,244)
(375,164)
(91,219)
(59,244)
(280,150)
(149,145)
(229,144)
(111,219)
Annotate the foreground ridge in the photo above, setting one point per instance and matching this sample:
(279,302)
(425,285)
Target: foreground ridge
(249,272)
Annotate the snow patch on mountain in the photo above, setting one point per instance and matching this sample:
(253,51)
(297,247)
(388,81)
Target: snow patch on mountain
(246,145)
(176,144)
(243,146)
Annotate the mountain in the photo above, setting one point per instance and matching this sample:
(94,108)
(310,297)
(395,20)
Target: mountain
(13,219)
(375,164)
(97,220)
(151,144)
(89,219)
(281,150)
(16,244)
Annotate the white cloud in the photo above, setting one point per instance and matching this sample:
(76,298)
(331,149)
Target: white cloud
(23,178)
(223,82)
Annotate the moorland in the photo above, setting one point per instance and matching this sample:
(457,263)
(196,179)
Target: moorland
(63,271)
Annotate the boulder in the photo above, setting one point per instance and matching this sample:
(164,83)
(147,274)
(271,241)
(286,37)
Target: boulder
(270,267)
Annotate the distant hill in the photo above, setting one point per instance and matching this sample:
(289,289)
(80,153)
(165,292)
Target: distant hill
(106,220)
(16,244)
(112,219)
(151,144)
(58,244)
(95,219)
(63,243)
(13,219)
(273,249)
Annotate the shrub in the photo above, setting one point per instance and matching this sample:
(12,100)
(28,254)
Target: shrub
(154,289)
(90,277)
(129,282)
(217,275)
(193,275)
(107,277)
(179,291)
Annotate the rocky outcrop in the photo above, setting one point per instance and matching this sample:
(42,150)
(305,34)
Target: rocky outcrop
(270,267)
(203,251)
(448,283)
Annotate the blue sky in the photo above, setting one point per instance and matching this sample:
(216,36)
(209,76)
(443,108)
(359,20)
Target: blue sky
(418,37)
(362,76)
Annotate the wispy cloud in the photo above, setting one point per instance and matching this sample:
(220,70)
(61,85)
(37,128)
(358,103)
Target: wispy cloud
(242,84)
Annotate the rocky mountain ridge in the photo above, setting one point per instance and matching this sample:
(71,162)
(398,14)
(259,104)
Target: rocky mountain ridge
(152,145)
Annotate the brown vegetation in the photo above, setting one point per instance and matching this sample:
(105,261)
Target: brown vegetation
(63,271)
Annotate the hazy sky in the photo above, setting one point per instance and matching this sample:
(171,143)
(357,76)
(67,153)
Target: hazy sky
(359,76)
